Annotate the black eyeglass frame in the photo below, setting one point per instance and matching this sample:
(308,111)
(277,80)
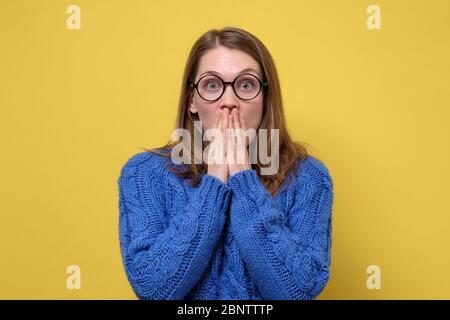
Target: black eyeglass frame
(225,83)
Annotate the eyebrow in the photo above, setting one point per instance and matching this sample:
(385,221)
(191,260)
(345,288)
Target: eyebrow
(218,74)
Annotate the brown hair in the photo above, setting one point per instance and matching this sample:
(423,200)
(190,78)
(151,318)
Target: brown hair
(290,152)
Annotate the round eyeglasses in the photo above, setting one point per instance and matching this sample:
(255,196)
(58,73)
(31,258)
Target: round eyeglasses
(245,86)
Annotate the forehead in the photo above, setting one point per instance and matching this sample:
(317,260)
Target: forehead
(227,62)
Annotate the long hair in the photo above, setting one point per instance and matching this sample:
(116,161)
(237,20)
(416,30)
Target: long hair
(290,152)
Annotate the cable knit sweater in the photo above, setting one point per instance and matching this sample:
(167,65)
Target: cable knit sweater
(227,241)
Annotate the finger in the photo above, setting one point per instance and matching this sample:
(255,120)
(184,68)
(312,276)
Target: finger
(220,124)
(231,140)
(225,118)
(242,121)
(213,146)
(231,124)
(243,137)
(231,129)
(236,119)
(243,126)
(216,123)
(227,134)
(237,125)
(240,143)
(217,126)
(224,133)
(212,138)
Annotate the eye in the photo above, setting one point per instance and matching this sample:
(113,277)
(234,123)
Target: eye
(211,85)
(247,84)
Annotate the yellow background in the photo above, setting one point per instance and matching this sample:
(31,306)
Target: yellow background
(76,104)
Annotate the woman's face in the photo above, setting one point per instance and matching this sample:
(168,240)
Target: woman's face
(228,64)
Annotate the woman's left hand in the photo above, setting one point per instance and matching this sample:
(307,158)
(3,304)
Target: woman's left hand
(237,154)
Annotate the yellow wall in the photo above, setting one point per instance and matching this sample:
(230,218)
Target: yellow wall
(76,104)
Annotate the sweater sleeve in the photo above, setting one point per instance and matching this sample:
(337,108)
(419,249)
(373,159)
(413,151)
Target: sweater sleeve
(164,261)
(287,260)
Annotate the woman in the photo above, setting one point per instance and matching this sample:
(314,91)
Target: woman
(220,229)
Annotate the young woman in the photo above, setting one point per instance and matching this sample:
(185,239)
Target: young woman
(222,229)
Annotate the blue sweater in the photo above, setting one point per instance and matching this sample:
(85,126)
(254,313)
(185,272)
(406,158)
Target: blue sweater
(222,241)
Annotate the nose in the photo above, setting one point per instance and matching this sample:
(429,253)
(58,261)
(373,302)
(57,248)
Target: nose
(228,100)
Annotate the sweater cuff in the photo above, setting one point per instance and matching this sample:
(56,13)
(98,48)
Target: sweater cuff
(247,184)
(215,190)
(214,180)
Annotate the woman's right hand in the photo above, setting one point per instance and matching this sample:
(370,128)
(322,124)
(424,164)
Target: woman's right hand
(217,165)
